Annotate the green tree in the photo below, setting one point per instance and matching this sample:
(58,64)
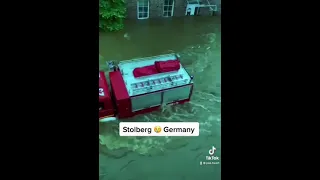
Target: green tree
(111,15)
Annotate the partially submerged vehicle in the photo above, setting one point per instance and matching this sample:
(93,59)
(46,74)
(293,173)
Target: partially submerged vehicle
(142,85)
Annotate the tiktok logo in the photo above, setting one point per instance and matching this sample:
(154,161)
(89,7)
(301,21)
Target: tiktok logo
(212,158)
(212,151)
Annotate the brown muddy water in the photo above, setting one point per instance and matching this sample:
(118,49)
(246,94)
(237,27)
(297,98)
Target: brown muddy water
(198,41)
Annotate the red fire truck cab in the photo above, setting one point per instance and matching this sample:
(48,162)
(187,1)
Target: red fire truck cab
(142,85)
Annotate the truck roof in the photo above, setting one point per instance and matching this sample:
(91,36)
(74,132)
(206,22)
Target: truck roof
(154,82)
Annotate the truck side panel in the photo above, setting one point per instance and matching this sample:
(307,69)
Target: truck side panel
(105,102)
(121,95)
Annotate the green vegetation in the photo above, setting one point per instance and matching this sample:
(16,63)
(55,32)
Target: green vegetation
(111,15)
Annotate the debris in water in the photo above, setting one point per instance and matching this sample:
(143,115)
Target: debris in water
(198,155)
(126,35)
(125,166)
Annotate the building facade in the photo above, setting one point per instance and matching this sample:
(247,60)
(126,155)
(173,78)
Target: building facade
(145,9)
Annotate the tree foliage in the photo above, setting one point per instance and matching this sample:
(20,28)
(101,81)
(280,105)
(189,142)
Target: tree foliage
(111,15)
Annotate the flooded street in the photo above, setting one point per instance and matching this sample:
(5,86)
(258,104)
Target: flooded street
(198,41)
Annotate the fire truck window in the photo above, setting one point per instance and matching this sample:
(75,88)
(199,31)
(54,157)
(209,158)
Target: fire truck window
(146,101)
(101,106)
(176,94)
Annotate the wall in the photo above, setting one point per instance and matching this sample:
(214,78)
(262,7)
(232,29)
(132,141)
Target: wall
(204,11)
(131,9)
(180,8)
(156,8)
(218,3)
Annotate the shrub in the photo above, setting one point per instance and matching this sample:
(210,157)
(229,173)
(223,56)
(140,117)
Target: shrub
(111,15)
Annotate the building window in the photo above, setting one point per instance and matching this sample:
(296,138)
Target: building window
(168,8)
(143,9)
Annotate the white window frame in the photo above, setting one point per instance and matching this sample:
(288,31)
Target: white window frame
(172,10)
(138,12)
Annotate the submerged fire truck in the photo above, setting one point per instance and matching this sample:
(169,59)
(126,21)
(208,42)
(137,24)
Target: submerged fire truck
(142,85)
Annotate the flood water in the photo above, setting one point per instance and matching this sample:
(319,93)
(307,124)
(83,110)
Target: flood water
(198,41)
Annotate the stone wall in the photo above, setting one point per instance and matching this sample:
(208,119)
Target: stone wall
(156,8)
(218,3)
(180,8)
(131,9)
(204,11)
